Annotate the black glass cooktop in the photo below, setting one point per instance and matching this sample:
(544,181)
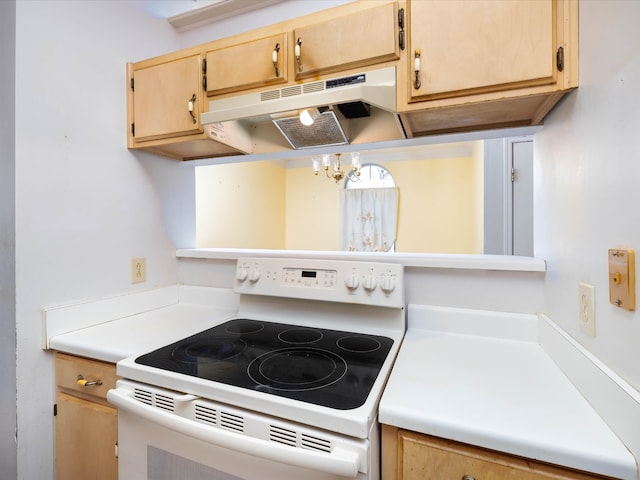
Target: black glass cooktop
(332,368)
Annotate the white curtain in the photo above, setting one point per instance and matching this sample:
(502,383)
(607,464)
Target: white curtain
(369,219)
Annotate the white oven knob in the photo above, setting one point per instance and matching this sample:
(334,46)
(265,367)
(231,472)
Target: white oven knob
(242,274)
(254,276)
(388,284)
(352,281)
(370,283)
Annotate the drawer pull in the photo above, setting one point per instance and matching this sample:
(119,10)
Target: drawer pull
(468,477)
(86,383)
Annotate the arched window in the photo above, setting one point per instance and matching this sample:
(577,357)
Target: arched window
(371,176)
(369,211)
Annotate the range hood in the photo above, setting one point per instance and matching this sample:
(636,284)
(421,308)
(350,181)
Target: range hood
(350,109)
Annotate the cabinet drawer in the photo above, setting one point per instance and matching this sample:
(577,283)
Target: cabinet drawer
(71,369)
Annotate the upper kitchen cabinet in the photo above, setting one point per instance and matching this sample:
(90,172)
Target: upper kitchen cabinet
(354,40)
(165,98)
(256,63)
(486,63)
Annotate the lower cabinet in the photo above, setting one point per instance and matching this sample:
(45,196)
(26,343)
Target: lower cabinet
(86,425)
(409,455)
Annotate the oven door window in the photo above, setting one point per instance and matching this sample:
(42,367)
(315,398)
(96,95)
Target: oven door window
(163,465)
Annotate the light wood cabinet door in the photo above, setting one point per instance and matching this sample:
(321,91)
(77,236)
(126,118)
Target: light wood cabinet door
(86,438)
(86,425)
(351,41)
(414,456)
(166,99)
(247,65)
(480,46)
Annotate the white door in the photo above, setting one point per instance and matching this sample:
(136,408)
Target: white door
(508,196)
(522,198)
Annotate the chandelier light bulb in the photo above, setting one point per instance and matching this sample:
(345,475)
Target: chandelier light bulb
(326,161)
(356,165)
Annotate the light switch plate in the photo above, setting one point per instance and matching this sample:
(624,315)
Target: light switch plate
(622,278)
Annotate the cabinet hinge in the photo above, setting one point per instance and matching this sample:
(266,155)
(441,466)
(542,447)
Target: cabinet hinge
(401,28)
(133,129)
(55,409)
(513,174)
(131,84)
(560,59)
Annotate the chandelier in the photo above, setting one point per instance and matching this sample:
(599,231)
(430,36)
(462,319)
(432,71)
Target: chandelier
(334,169)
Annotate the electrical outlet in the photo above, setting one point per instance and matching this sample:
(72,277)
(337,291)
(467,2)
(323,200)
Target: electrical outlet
(138,270)
(587,308)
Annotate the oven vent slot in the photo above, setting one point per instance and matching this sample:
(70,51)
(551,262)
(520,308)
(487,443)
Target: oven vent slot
(143,396)
(165,402)
(283,435)
(315,443)
(296,439)
(231,421)
(206,414)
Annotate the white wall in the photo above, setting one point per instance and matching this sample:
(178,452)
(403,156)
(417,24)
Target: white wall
(587,178)
(7,243)
(84,204)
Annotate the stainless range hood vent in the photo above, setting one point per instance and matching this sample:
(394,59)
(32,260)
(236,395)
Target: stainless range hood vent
(367,100)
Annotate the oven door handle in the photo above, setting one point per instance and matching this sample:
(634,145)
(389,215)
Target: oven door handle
(340,461)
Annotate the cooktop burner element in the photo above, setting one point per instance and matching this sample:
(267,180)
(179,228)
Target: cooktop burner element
(297,369)
(331,368)
(208,350)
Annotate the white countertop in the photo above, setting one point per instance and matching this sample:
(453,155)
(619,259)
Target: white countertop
(487,382)
(476,377)
(112,339)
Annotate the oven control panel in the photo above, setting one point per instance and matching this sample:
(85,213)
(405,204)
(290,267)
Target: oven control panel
(369,283)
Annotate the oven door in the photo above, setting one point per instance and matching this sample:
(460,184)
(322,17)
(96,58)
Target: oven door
(163,435)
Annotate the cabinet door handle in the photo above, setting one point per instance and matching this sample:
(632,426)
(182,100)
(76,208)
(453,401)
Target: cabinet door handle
(298,52)
(401,28)
(274,59)
(416,69)
(190,107)
(86,383)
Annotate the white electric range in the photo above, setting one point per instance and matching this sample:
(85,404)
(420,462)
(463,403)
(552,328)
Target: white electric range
(287,389)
